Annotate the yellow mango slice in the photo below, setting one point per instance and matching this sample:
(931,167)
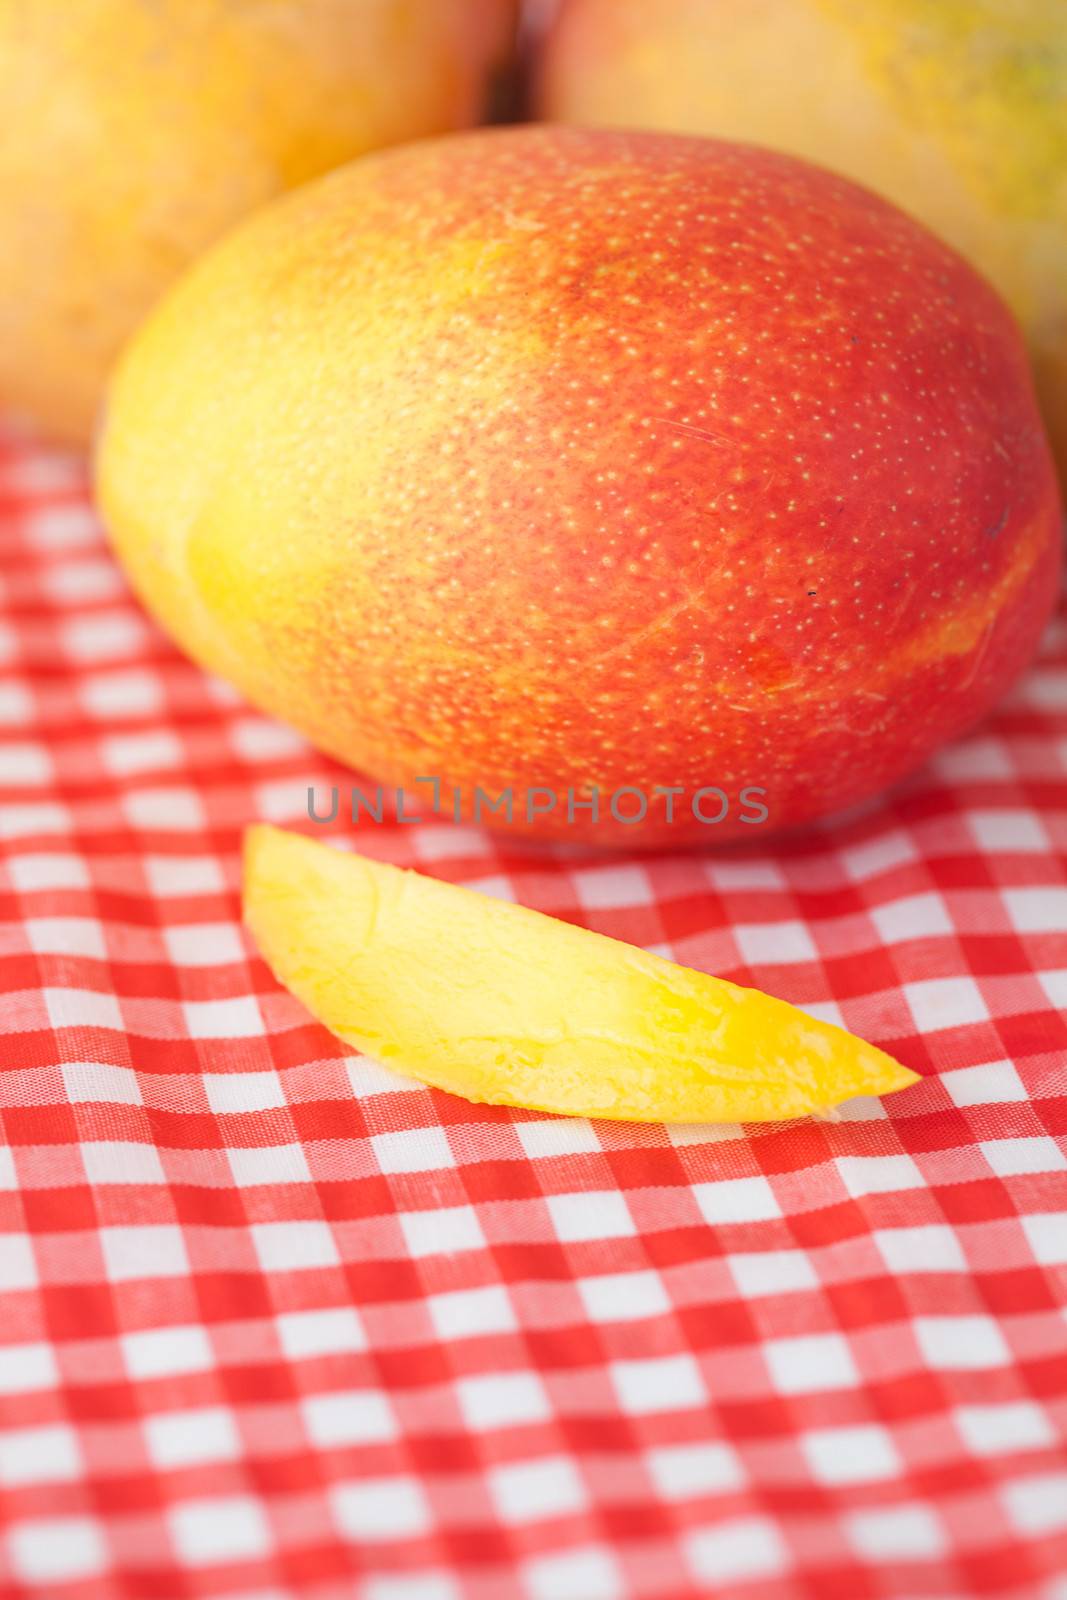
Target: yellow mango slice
(507,1006)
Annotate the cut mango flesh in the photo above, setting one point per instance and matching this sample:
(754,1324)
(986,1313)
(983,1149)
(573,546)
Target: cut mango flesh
(511,1007)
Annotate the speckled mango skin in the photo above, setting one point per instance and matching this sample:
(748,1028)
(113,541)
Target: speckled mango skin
(135,132)
(544,457)
(954,109)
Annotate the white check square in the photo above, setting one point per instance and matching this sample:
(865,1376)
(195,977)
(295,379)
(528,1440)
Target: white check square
(145,1251)
(178,876)
(593,1214)
(769,1272)
(379,1509)
(166,1352)
(403,1586)
(624,1296)
(348,1417)
(930,1247)
(446,1230)
(107,695)
(56,1550)
(34,816)
(1014,832)
(230,1092)
(98,1080)
(367,1078)
(203,944)
(413,1150)
(238,1018)
(992,1083)
(961,1343)
(76,582)
(607,888)
(686,1471)
(331,1331)
(261,1165)
(233,1528)
(469,1313)
(731,876)
(997,1429)
(18,1267)
(729,1200)
(729,1552)
(937,1003)
(880,854)
(860,1454)
(1046,1234)
(1041,909)
(128,753)
(896,1533)
(16,704)
(26,1367)
(62,527)
(502,1400)
(26,765)
(67,936)
(82,1008)
(1055,986)
(48,1454)
(48,871)
(809,1362)
(1046,688)
(166,810)
(121,1161)
(1010,1158)
(764,944)
(588,1573)
(187,1438)
(917,916)
(863,1175)
(260,739)
(529,1491)
(1038,1506)
(658,1383)
(558,1136)
(294,1246)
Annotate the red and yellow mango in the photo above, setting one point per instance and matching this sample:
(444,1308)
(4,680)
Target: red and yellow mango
(954,109)
(558,458)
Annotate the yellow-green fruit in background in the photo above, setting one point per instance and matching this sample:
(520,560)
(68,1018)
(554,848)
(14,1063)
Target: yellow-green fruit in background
(955,109)
(136,131)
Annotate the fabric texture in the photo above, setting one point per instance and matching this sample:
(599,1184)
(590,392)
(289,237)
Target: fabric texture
(278,1325)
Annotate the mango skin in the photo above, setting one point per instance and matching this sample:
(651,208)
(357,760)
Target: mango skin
(138,131)
(546,457)
(510,1007)
(954,109)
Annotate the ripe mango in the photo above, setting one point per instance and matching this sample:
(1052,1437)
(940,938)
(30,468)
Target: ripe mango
(954,109)
(559,459)
(135,132)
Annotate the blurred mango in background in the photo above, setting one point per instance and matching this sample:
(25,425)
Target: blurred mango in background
(955,109)
(134,132)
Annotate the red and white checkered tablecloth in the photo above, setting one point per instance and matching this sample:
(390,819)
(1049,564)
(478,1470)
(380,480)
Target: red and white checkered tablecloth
(277,1324)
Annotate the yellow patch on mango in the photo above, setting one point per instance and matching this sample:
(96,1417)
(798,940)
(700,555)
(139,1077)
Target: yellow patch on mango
(985,79)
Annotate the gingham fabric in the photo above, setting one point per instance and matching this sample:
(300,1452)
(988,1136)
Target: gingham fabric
(278,1324)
